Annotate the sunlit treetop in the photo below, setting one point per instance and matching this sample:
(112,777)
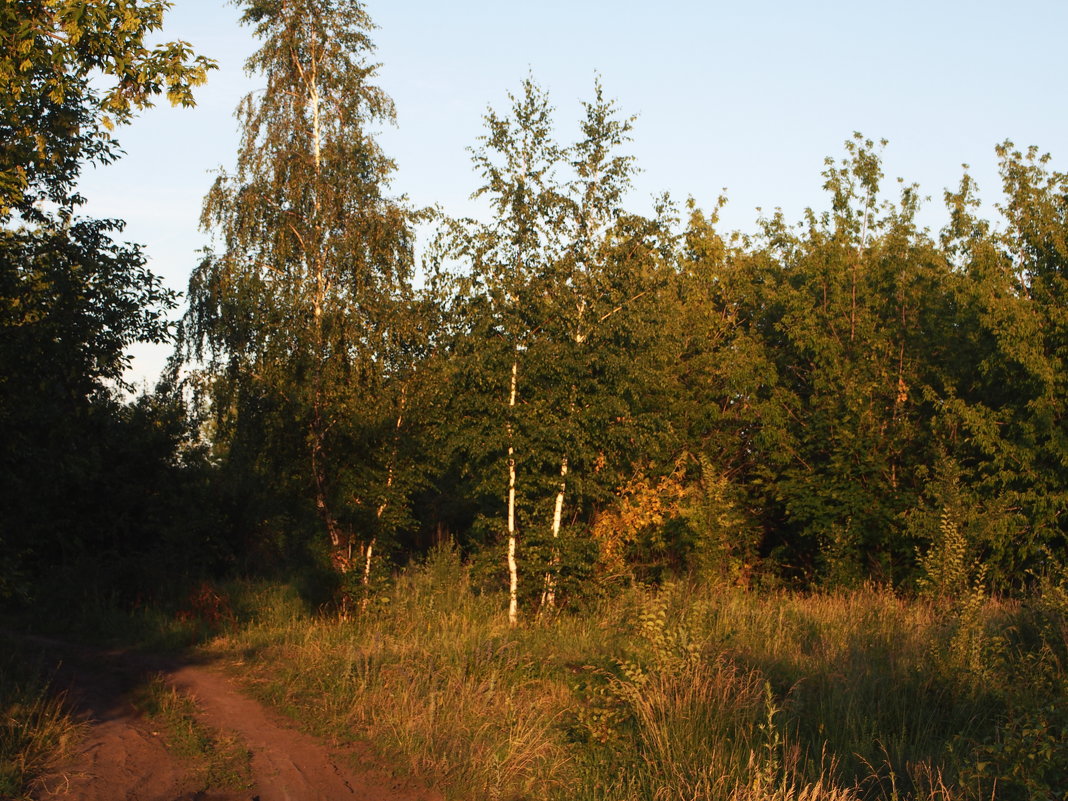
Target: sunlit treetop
(70,71)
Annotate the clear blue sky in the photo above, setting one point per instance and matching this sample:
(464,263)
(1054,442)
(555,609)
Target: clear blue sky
(747,96)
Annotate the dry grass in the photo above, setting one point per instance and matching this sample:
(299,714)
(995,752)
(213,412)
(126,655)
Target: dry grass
(686,692)
(35,727)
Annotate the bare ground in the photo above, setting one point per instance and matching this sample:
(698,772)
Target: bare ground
(122,758)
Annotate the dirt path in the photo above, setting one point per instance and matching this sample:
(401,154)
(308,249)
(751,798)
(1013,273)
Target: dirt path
(123,759)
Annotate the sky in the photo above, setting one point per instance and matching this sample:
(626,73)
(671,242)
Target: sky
(744,97)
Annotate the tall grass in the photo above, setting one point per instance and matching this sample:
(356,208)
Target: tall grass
(35,728)
(690,691)
(436,680)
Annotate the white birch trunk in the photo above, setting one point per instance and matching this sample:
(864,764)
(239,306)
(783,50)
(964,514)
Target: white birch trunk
(513,570)
(314,261)
(367,569)
(317,137)
(548,595)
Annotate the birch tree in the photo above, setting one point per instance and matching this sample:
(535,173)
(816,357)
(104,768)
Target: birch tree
(551,277)
(583,294)
(511,259)
(292,308)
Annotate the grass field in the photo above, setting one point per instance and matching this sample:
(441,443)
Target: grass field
(686,691)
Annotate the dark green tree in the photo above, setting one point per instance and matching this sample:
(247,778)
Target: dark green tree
(71,299)
(850,325)
(1001,419)
(808,380)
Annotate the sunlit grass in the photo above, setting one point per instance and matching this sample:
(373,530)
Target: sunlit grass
(689,691)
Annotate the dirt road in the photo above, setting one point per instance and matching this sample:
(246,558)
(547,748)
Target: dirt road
(123,758)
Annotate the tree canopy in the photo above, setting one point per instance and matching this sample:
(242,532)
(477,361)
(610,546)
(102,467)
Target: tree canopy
(70,72)
(579,394)
(72,300)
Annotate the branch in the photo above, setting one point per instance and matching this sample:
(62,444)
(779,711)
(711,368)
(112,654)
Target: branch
(582,337)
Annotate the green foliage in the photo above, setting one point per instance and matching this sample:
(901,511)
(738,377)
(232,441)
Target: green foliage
(855,378)
(945,569)
(304,321)
(557,285)
(70,72)
(83,475)
(71,301)
(851,397)
(838,384)
(841,383)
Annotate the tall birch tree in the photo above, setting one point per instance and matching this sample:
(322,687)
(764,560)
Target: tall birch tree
(586,292)
(293,309)
(550,277)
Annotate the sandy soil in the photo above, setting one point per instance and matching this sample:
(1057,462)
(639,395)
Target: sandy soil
(123,759)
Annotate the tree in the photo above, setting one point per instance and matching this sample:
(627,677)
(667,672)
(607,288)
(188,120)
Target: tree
(510,259)
(1002,422)
(53,118)
(298,310)
(71,299)
(807,372)
(846,315)
(553,286)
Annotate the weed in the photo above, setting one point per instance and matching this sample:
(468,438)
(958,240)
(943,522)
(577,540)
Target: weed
(694,690)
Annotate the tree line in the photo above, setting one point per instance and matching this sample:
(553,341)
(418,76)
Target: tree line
(576,394)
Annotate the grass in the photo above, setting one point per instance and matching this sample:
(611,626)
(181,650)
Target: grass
(693,690)
(689,691)
(35,727)
(220,761)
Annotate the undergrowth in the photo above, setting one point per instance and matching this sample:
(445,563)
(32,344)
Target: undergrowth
(692,690)
(686,691)
(35,727)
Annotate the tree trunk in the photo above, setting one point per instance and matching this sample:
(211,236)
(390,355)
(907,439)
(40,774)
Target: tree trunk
(385,500)
(313,258)
(513,570)
(548,595)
